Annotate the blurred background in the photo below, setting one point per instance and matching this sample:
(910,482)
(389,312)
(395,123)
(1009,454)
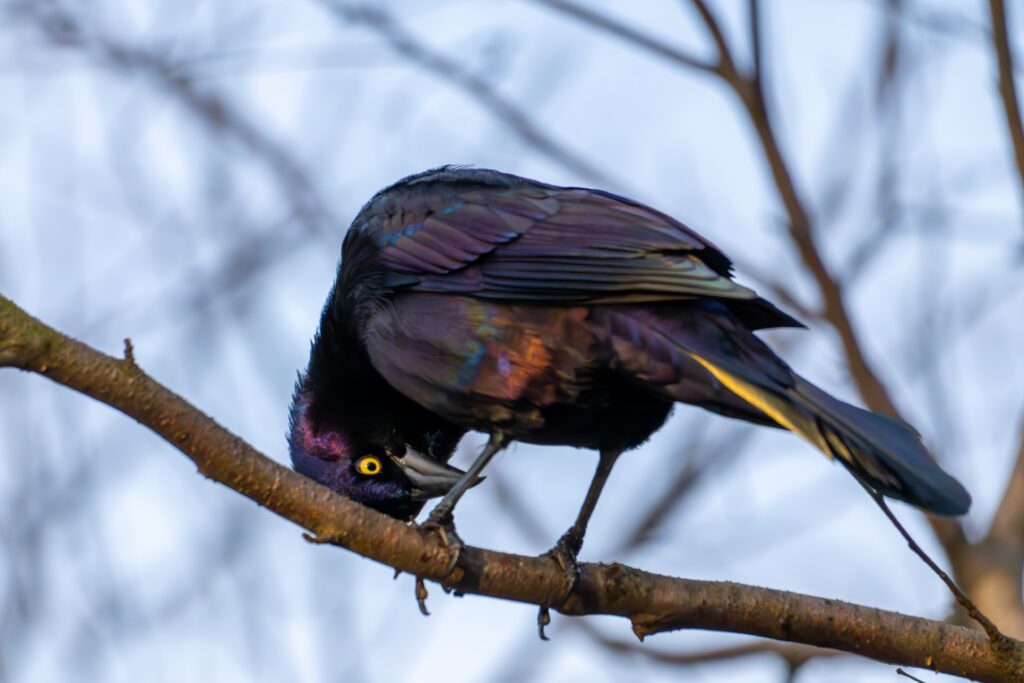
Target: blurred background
(182,172)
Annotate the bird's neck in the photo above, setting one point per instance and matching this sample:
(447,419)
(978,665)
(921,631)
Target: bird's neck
(347,393)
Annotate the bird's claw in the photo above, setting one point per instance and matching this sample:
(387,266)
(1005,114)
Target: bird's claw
(543,619)
(564,553)
(445,530)
(421,596)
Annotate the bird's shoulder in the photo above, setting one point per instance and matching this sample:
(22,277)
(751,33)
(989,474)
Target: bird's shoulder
(447,217)
(498,236)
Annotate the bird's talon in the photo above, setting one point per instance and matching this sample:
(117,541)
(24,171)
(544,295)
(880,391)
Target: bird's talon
(543,619)
(564,553)
(421,596)
(449,539)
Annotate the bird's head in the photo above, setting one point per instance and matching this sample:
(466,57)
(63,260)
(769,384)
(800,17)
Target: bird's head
(385,474)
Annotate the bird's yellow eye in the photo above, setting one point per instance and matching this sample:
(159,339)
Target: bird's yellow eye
(368,465)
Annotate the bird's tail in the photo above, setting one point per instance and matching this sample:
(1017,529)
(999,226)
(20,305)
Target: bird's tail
(884,453)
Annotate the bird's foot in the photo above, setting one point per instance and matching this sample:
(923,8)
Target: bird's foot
(564,553)
(444,527)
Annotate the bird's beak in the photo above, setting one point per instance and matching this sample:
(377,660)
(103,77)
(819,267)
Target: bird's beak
(430,478)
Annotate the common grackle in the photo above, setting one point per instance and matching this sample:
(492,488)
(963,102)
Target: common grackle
(469,299)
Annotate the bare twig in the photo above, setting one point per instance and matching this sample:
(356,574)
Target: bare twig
(727,66)
(794,655)
(1009,518)
(1007,86)
(629,34)
(754,17)
(63,29)
(750,90)
(450,70)
(699,457)
(901,672)
(653,603)
(998,639)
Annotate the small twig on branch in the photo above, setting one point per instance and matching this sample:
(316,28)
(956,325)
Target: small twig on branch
(901,672)
(129,351)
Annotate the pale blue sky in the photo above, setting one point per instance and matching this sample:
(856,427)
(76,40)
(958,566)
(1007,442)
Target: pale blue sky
(119,210)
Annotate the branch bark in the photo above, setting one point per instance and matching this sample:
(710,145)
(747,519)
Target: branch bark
(652,602)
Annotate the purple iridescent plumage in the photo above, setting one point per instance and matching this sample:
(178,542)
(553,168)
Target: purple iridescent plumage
(326,455)
(473,299)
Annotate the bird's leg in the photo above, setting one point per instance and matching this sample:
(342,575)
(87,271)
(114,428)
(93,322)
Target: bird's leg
(569,545)
(442,512)
(440,518)
(571,542)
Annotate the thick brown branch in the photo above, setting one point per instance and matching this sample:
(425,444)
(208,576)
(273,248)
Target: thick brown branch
(652,602)
(1007,86)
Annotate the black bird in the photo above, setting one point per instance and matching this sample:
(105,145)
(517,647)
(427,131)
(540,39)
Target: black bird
(469,299)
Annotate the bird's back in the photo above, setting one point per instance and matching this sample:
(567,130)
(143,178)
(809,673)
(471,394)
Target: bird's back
(574,316)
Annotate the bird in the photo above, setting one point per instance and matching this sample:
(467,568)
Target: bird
(468,299)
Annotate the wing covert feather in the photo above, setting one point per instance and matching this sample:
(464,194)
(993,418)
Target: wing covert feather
(522,240)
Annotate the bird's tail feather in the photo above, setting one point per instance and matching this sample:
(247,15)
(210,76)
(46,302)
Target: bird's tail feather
(883,452)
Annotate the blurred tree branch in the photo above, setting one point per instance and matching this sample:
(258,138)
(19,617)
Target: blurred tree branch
(66,30)
(1007,87)
(652,602)
(795,655)
(450,70)
(991,569)
(749,88)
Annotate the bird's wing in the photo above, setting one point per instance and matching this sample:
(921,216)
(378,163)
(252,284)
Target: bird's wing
(534,242)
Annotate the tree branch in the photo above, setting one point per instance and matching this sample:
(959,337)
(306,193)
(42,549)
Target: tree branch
(794,654)
(62,29)
(453,72)
(629,34)
(652,602)
(1008,522)
(751,93)
(1007,86)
